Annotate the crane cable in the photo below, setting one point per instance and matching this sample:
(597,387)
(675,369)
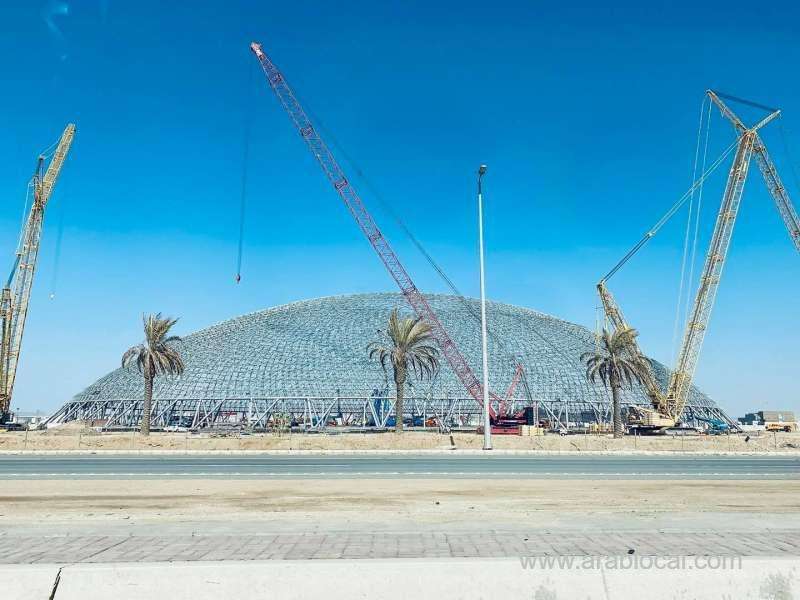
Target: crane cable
(788,152)
(26,205)
(449,282)
(22,227)
(57,253)
(693,259)
(683,282)
(247,126)
(47,152)
(679,304)
(60,227)
(671,212)
(25,209)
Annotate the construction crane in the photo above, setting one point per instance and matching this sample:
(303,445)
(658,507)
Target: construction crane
(16,293)
(367,224)
(668,405)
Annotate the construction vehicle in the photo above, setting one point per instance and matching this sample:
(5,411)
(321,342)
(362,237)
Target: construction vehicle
(16,294)
(775,426)
(771,420)
(667,406)
(778,420)
(716,426)
(348,194)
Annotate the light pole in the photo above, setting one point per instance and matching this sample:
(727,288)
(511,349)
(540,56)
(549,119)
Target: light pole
(487,426)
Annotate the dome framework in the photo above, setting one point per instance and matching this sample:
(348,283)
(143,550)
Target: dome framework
(306,363)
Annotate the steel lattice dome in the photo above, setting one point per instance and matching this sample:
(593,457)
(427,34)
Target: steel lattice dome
(317,349)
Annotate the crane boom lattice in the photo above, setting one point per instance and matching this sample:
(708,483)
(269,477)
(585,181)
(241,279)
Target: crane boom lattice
(768,170)
(778,192)
(15,296)
(617,319)
(681,377)
(367,224)
(670,405)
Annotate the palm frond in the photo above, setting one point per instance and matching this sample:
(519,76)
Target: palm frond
(410,348)
(157,355)
(617,361)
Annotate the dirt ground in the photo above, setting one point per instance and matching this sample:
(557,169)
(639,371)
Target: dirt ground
(77,436)
(311,504)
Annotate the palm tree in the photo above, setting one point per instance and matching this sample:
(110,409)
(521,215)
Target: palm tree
(154,357)
(617,363)
(411,348)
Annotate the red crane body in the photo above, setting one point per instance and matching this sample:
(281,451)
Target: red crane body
(368,226)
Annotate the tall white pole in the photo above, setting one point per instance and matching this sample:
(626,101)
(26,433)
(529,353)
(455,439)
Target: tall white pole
(487,426)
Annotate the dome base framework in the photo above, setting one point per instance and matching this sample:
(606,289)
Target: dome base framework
(320,414)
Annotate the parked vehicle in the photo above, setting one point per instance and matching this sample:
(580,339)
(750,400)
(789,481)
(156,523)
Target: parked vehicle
(179,424)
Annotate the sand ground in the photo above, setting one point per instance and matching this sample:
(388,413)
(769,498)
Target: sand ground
(79,437)
(414,504)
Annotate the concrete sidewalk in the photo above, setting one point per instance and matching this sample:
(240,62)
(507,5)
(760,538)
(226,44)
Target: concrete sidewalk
(18,548)
(400,579)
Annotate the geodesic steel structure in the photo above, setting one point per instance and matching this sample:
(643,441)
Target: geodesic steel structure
(306,364)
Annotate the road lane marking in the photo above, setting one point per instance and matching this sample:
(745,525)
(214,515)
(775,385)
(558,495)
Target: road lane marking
(691,474)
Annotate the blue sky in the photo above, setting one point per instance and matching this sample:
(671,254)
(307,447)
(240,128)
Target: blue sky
(586,115)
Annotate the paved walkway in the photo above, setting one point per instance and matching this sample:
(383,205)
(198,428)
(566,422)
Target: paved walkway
(20,549)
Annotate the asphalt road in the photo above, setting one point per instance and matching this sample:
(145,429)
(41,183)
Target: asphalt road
(397,466)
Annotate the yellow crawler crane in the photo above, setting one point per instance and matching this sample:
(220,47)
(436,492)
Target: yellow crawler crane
(668,406)
(16,293)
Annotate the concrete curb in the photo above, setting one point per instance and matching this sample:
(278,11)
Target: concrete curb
(422,578)
(27,582)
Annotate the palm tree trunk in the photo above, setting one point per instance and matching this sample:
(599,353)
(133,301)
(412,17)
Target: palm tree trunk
(148,404)
(615,407)
(399,382)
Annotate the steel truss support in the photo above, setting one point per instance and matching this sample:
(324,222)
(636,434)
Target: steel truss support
(318,414)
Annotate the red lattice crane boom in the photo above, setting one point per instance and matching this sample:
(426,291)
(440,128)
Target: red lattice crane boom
(367,224)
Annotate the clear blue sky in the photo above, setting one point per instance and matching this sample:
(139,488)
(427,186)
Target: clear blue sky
(586,115)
